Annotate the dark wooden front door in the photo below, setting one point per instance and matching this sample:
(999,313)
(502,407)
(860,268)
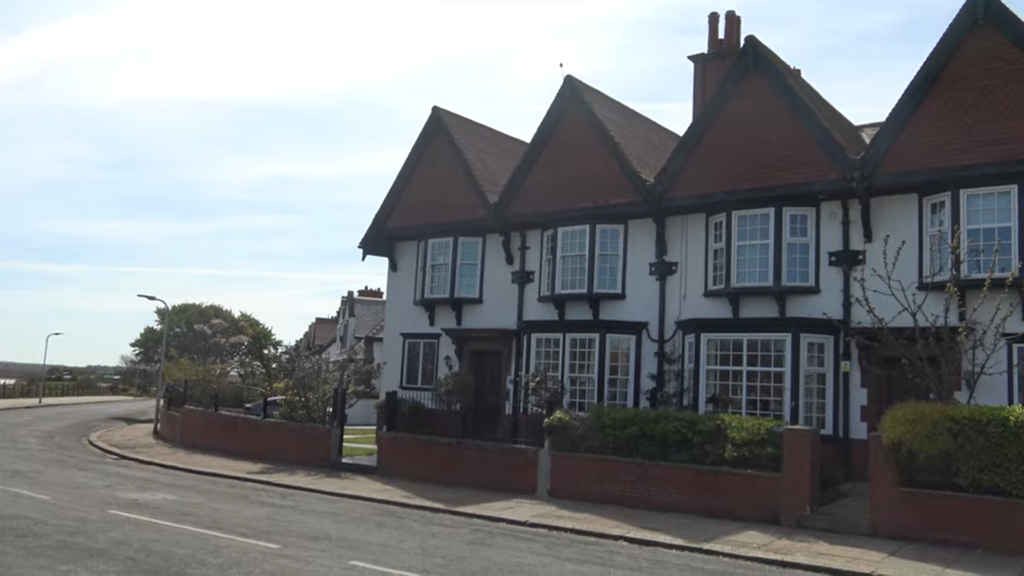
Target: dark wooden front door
(488,391)
(885,378)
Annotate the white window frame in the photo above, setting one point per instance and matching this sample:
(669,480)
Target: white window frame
(809,241)
(927,232)
(560,255)
(770,241)
(548,252)
(689,367)
(618,254)
(828,371)
(566,364)
(786,394)
(630,375)
(532,366)
(478,263)
(419,369)
(1018,367)
(1014,225)
(722,245)
(427,275)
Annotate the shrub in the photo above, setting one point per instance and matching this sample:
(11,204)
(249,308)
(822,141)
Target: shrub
(959,448)
(682,437)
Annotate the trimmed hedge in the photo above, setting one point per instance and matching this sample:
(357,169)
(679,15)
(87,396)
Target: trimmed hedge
(957,448)
(681,437)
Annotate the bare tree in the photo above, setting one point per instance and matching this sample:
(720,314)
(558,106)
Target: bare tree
(943,333)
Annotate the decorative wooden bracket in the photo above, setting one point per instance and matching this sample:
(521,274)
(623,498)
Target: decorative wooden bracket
(780,301)
(660,244)
(865,219)
(506,246)
(429,308)
(392,263)
(560,308)
(457,310)
(734,304)
(595,308)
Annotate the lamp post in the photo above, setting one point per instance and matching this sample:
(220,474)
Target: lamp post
(46,349)
(163,355)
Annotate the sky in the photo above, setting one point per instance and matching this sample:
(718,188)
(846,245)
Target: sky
(234,151)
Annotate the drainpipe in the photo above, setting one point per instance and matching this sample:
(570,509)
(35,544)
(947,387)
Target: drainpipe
(661,269)
(519,277)
(845,336)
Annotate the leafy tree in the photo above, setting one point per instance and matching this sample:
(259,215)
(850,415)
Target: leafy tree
(209,344)
(309,381)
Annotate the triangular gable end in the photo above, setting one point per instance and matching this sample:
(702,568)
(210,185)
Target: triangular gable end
(571,164)
(434,187)
(765,128)
(963,106)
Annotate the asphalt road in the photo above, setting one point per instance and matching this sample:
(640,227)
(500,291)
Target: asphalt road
(66,508)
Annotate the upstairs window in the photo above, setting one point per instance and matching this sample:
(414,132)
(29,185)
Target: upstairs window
(989,226)
(984,221)
(584,259)
(762,248)
(752,241)
(798,247)
(936,238)
(451,268)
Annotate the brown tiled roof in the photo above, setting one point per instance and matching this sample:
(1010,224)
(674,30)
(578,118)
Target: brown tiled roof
(841,129)
(643,142)
(491,155)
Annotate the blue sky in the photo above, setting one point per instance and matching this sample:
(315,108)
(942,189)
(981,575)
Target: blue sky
(234,151)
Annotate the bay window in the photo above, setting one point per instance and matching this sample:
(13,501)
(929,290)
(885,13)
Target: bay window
(762,248)
(593,368)
(982,224)
(451,268)
(585,260)
(747,374)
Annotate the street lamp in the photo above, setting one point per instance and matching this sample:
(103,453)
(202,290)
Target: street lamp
(46,348)
(163,355)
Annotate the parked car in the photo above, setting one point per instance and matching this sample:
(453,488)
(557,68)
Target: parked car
(273,405)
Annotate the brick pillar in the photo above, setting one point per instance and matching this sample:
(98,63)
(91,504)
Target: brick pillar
(883,489)
(801,470)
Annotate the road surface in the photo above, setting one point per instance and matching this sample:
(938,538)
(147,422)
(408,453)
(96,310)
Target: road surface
(66,508)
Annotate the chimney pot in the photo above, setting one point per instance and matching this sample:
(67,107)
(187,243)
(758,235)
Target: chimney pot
(714,42)
(732,30)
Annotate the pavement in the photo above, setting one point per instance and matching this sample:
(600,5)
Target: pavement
(18,403)
(768,544)
(67,508)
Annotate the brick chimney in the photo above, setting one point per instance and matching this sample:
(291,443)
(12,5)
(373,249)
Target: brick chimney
(710,67)
(367,292)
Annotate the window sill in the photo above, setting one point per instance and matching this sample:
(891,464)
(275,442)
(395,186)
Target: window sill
(448,300)
(415,388)
(762,291)
(967,283)
(581,296)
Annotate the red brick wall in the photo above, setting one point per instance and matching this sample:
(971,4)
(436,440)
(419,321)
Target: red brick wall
(247,437)
(168,429)
(459,462)
(691,489)
(944,517)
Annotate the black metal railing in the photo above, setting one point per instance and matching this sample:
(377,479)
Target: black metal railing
(61,389)
(424,413)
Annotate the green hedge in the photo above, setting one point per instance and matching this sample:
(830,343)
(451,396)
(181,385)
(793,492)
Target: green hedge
(959,448)
(681,437)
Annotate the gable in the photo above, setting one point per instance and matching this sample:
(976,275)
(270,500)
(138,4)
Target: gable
(754,140)
(574,169)
(437,191)
(971,114)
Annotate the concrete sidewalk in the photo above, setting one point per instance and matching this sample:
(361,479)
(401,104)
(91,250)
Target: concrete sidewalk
(18,403)
(809,550)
